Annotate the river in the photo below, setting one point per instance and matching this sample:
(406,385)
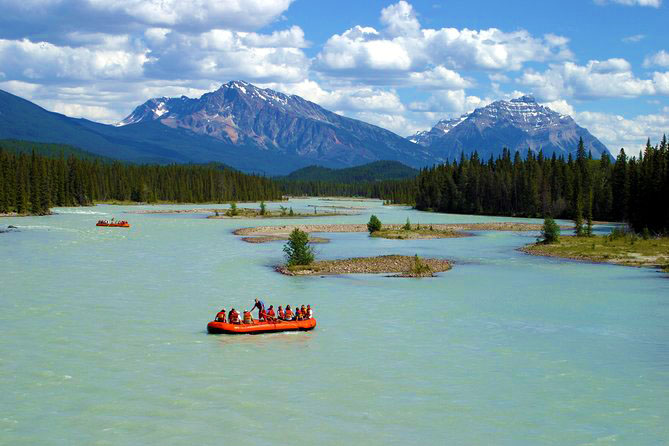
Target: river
(104,339)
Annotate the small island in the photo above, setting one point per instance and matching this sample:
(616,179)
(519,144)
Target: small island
(262,234)
(399,266)
(300,261)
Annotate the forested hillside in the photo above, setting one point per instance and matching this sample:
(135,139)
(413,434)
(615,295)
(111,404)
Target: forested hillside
(631,189)
(32,183)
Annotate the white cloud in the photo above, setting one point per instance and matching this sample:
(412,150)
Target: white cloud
(438,78)
(403,47)
(651,3)
(661,59)
(617,131)
(26,60)
(449,103)
(400,20)
(346,99)
(192,15)
(597,79)
(222,54)
(560,106)
(634,38)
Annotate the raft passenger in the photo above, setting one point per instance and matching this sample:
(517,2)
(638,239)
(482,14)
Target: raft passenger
(260,305)
(220,317)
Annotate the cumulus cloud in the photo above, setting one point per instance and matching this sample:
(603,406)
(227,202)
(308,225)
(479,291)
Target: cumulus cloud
(618,132)
(226,54)
(651,3)
(28,18)
(344,99)
(634,38)
(402,46)
(660,59)
(596,79)
(449,103)
(26,60)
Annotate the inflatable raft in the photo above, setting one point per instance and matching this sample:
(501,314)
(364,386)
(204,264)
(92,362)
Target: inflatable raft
(124,224)
(258,327)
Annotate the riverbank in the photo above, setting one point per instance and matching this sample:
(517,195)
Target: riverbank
(240,213)
(459,229)
(629,250)
(402,266)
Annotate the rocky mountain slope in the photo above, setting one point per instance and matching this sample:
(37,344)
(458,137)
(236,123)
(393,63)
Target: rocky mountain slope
(519,125)
(241,114)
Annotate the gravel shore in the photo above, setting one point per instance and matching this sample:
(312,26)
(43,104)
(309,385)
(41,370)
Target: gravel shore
(283,231)
(368,265)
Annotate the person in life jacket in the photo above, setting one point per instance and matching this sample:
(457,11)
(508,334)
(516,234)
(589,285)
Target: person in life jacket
(303,312)
(271,315)
(288,314)
(233,317)
(310,312)
(248,319)
(282,315)
(262,315)
(220,317)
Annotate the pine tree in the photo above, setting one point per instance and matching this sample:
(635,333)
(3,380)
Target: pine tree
(550,232)
(35,186)
(374,224)
(578,219)
(297,249)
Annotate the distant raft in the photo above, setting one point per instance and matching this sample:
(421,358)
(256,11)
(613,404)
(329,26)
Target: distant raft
(113,224)
(258,327)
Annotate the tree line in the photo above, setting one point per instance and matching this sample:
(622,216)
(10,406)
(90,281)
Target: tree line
(396,191)
(32,183)
(633,190)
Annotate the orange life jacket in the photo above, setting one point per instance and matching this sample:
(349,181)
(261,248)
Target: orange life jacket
(288,314)
(247,317)
(220,317)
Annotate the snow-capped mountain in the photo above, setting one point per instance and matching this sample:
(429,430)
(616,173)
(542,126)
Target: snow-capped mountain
(244,115)
(519,125)
(426,137)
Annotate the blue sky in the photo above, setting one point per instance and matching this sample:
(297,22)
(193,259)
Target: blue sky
(402,65)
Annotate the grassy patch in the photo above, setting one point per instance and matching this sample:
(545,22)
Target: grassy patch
(427,233)
(628,250)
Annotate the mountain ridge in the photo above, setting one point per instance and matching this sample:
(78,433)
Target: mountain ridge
(520,124)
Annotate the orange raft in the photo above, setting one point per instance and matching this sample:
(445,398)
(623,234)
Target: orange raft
(123,224)
(258,327)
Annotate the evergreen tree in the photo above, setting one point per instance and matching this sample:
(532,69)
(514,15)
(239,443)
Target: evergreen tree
(297,249)
(550,232)
(263,208)
(35,187)
(578,220)
(374,224)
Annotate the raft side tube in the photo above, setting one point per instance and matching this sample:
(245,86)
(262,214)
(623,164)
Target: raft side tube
(258,327)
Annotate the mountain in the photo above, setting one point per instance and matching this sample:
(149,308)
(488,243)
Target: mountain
(376,171)
(519,125)
(241,114)
(243,126)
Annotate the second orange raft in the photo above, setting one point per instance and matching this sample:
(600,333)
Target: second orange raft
(258,327)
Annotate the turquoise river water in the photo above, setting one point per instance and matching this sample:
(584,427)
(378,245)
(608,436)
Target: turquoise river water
(103,340)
